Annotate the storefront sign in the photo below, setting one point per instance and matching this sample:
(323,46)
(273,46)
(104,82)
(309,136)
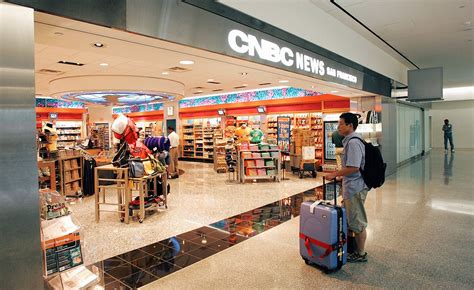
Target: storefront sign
(295,59)
(283,133)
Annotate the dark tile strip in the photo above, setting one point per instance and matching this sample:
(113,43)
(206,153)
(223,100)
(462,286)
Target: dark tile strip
(150,263)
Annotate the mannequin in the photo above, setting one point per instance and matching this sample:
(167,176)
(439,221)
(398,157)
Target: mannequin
(52,136)
(243,133)
(256,136)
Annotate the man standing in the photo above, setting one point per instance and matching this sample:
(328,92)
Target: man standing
(354,188)
(174,143)
(448,135)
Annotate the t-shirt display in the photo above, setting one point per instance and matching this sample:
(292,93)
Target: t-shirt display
(256,136)
(243,134)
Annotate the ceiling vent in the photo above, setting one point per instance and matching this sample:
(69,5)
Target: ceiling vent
(240,87)
(213,82)
(198,88)
(70,63)
(217,90)
(178,69)
(46,71)
(264,84)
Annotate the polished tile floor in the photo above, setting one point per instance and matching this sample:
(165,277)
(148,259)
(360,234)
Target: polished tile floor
(199,198)
(419,236)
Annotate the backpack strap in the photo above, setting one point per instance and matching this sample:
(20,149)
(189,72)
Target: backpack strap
(361,140)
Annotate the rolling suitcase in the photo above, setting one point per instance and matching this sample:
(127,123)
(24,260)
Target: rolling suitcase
(323,233)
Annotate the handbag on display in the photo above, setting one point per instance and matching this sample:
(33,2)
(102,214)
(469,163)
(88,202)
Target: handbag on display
(153,166)
(122,156)
(136,168)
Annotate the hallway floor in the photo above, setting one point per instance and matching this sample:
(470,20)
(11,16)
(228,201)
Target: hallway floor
(419,236)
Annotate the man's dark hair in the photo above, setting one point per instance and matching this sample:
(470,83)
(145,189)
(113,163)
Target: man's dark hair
(350,118)
(446,120)
(170,128)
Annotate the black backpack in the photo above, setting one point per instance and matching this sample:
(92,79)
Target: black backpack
(374,168)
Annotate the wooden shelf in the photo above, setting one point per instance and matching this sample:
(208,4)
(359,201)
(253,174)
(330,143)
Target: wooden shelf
(71,169)
(70,181)
(253,167)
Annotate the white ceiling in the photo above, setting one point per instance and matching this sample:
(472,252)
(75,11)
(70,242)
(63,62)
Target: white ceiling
(57,39)
(430,33)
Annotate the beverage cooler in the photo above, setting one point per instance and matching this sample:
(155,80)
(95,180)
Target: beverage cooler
(329,147)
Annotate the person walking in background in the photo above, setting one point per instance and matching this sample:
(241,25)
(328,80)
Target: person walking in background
(448,135)
(174,143)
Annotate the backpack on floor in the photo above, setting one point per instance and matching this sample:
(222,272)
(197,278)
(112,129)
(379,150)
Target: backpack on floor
(374,168)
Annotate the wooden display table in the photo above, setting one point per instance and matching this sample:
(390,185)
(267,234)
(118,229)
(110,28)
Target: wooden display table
(141,185)
(125,186)
(119,183)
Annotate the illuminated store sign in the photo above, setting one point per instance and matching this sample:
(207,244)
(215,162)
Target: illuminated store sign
(244,43)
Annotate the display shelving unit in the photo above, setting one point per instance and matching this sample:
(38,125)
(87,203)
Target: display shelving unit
(70,170)
(69,132)
(272,172)
(197,142)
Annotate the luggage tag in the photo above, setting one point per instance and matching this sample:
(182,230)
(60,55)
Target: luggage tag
(314,205)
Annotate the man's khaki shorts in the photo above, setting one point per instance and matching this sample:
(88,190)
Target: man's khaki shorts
(355,210)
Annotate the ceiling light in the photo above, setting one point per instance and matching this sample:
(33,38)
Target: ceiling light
(104,64)
(334,91)
(165,73)
(283,81)
(462,6)
(98,44)
(244,74)
(70,63)
(244,85)
(186,62)
(57,33)
(210,80)
(312,87)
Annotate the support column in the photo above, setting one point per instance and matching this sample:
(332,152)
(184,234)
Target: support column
(171,116)
(20,248)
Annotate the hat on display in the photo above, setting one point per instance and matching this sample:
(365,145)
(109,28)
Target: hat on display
(49,129)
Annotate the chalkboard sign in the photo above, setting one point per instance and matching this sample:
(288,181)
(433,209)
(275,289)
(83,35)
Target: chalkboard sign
(283,133)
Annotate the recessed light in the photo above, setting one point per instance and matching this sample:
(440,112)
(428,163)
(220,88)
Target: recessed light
(244,74)
(334,91)
(462,6)
(244,85)
(312,87)
(186,62)
(70,62)
(57,33)
(283,81)
(165,73)
(98,44)
(104,64)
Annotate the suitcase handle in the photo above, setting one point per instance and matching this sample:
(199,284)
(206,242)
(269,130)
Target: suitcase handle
(335,189)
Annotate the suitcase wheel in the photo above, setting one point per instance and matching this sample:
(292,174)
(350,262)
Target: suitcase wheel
(314,174)
(307,262)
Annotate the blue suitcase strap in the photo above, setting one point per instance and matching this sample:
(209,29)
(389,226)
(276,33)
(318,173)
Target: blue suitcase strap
(329,248)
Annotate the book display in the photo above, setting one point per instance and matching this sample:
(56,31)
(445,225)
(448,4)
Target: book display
(259,162)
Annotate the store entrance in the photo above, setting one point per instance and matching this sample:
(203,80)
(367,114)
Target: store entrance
(247,135)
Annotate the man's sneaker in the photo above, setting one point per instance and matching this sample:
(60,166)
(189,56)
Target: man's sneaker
(452,151)
(356,257)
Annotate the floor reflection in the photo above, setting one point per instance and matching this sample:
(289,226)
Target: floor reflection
(147,264)
(448,167)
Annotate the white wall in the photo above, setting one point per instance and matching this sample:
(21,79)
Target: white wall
(100,114)
(461,115)
(306,20)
